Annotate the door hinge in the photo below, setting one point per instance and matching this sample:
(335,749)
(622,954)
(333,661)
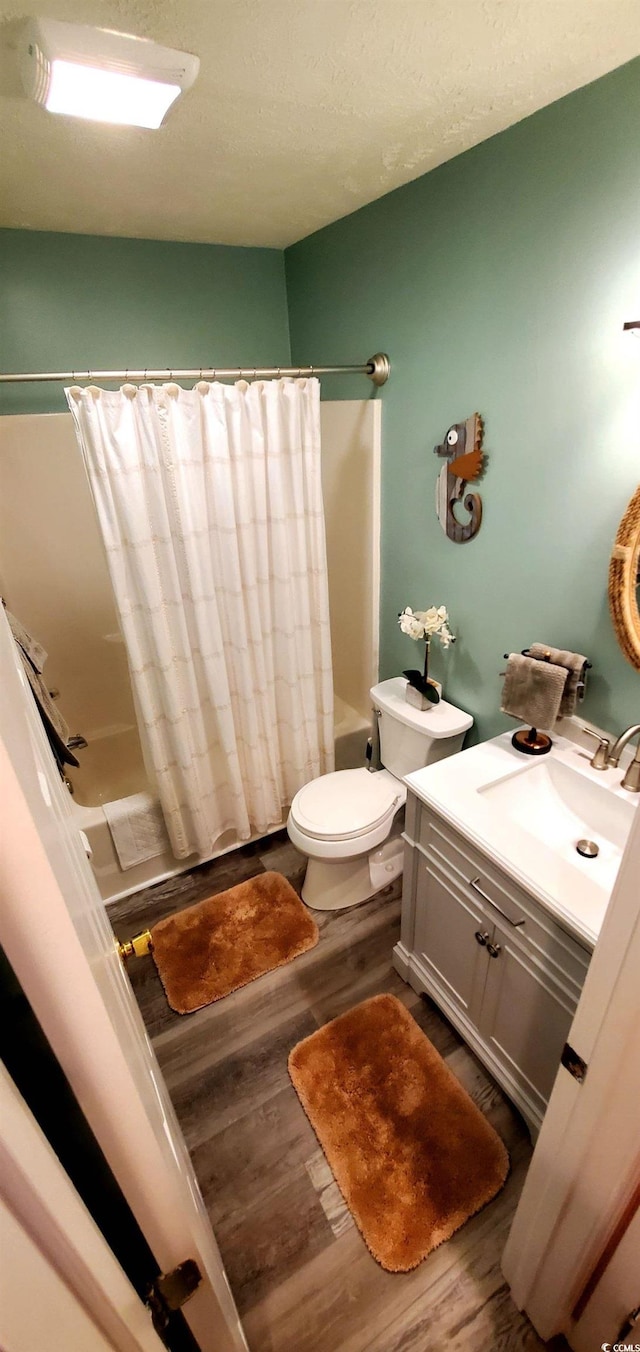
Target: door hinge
(137,947)
(573,1063)
(170,1291)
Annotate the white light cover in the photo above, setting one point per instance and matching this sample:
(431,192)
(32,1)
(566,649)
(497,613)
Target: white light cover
(107,96)
(101,75)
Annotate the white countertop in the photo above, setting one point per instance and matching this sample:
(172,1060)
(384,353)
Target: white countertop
(560,880)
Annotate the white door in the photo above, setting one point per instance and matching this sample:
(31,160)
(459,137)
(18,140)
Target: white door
(616,1296)
(61,1289)
(57,937)
(56,1320)
(585,1166)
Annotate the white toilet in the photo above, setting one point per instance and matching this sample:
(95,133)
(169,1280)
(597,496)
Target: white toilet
(344,821)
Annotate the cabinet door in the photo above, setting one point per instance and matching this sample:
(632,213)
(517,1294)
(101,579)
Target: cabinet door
(525,1017)
(445,940)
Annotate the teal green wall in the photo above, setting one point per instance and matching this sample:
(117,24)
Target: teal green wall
(79,301)
(500,282)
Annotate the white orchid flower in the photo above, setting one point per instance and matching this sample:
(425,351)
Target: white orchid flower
(427,624)
(411,624)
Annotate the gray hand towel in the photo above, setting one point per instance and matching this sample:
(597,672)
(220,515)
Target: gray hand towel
(575,664)
(532,691)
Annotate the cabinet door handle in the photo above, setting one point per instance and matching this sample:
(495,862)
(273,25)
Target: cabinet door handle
(493,950)
(482,939)
(474,883)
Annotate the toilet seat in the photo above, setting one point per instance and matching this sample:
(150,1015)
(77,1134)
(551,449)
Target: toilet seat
(345,805)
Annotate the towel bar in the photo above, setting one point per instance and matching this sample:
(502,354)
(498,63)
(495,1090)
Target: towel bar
(525,653)
(580,686)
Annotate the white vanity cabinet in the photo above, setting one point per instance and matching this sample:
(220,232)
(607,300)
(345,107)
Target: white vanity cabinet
(501,968)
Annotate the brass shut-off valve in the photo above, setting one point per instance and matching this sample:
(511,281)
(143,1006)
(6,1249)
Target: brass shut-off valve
(137,947)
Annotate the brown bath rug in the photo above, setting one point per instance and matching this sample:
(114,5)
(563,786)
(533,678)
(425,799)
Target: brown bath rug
(218,945)
(413,1156)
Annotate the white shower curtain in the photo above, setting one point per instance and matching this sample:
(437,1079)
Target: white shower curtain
(210,506)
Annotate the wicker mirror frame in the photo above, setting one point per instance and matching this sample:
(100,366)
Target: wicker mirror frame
(623,582)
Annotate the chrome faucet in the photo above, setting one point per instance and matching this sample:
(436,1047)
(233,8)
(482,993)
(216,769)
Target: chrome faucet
(77,742)
(600,757)
(631,780)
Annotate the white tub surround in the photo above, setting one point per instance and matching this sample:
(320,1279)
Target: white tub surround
(351,734)
(57,579)
(351,454)
(111,766)
(528,816)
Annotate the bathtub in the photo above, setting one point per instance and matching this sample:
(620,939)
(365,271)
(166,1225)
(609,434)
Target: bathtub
(112,767)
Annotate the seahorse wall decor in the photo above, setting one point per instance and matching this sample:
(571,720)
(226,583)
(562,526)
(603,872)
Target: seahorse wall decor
(465,461)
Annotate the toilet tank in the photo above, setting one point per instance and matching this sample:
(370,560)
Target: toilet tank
(412,738)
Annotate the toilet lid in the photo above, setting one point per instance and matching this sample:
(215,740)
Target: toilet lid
(344,804)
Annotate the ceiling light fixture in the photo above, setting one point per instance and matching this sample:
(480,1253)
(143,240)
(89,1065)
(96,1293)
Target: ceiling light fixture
(101,75)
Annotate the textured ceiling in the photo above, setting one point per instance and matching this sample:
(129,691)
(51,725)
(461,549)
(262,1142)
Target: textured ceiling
(303,109)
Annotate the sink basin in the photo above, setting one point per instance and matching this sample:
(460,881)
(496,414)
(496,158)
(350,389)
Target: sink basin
(528,815)
(560,806)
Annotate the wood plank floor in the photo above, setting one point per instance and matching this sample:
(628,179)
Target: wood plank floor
(302,1276)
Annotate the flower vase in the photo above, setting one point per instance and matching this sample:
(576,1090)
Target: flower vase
(420,701)
(422,692)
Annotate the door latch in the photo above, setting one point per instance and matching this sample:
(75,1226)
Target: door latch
(170,1291)
(137,947)
(573,1063)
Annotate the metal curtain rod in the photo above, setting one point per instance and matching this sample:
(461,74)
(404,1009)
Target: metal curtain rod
(377,368)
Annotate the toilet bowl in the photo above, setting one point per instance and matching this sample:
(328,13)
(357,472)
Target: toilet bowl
(341,820)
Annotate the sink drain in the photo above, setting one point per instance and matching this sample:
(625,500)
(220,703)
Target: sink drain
(588,849)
